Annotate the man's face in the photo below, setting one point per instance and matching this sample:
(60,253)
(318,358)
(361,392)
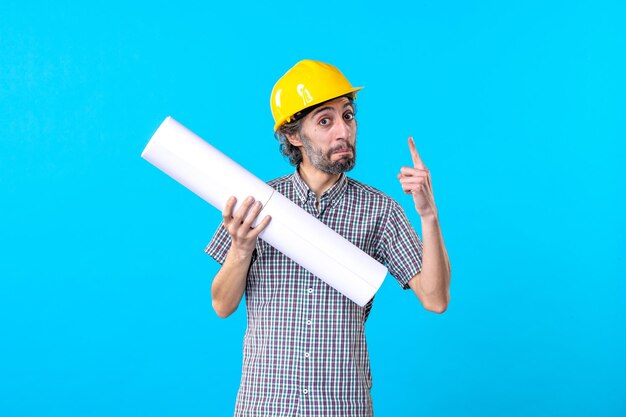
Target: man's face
(328,137)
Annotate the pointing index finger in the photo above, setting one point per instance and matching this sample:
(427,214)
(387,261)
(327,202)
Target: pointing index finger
(417,160)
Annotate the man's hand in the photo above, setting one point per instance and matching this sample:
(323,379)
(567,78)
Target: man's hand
(239,226)
(229,283)
(416,181)
(432,283)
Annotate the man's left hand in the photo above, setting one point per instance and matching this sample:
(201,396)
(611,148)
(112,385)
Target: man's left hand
(416,181)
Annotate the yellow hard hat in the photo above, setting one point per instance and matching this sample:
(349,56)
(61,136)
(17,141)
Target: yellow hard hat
(306,84)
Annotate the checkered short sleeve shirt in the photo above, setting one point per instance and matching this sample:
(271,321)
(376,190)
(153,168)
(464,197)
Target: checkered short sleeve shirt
(305,352)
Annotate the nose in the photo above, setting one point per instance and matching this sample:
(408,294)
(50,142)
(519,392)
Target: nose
(343,129)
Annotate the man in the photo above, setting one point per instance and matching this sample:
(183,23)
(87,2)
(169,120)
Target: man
(305,352)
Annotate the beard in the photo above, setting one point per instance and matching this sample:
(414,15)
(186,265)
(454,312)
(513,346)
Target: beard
(322,160)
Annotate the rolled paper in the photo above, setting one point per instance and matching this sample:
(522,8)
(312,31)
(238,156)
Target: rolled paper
(215,177)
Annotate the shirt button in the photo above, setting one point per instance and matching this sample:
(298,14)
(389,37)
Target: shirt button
(306,354)
(310,290)
(309,322)
(305,391)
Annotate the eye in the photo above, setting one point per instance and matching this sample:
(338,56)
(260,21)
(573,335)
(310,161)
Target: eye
(325,121)
(349,116)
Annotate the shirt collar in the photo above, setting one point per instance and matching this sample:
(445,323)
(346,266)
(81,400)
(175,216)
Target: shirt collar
(334,193)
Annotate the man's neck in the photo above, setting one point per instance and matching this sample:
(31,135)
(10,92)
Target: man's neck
(317,181)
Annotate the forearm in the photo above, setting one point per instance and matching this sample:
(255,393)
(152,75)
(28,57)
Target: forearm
(229,283)
(434,278)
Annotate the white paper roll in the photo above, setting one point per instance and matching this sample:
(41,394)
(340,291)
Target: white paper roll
(300,236)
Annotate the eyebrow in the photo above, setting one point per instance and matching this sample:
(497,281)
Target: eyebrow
(321,109)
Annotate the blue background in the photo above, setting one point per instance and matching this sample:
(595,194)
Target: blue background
(517,107)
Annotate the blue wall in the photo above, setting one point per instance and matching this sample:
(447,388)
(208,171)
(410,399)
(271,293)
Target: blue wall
(518,109)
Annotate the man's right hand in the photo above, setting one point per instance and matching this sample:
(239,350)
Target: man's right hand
(239,226)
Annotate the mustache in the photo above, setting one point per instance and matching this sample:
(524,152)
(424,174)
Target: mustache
(344,147)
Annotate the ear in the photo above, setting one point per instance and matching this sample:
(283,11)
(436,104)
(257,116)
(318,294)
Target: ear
(294,139)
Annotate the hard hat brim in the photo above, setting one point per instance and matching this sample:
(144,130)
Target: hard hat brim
(314,104)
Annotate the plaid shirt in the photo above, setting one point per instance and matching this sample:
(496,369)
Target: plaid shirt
(305,352)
